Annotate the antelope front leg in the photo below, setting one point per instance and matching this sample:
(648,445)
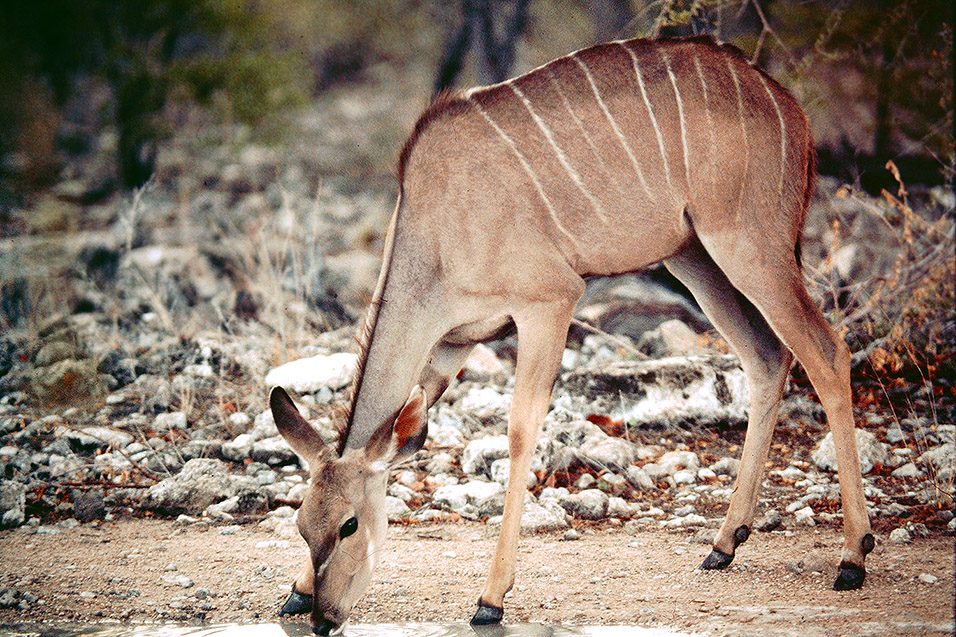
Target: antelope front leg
(541,338)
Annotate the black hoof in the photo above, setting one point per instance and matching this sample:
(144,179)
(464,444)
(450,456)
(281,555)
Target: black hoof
(297,604)
(868,543)
(741,535)
(716,561)
(486,615)
(850,578)
(325,628)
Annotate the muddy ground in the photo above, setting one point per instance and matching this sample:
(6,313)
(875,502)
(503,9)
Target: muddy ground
(779,583)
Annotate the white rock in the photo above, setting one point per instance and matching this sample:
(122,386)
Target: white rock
(726,467)
(309,375)
(805,517)
(926,578)
(908,470)
(542,516)
(483,362)
(395,508)
(639,478)
(674,461)
(485,402)
(869,450)
(501,471)
(590,504)
(685,477)
(478,455)
(471,492)
(940,457)
(401,492)
(900,536)
(794,474)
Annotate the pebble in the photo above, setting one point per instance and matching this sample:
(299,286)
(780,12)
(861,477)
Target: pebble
(900,536)
(926,578)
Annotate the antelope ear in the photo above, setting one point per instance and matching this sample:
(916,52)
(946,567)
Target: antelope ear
(296,430)
(395,442)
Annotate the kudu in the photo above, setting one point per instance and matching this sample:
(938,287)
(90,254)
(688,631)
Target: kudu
(602,162)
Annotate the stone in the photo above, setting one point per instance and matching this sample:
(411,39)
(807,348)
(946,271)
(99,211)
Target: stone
(169,421)
(726,467)
(804,517)
(870,451)
(940,457)
(669,392)
(542,516)
(482,363)
(639,478)
(239,448)
(908,470)
(485,402)
(272,451)
(671,338)
(395,509)
(12,503)
(177,580)
(88,505)
(501,471)
(926,578)
(309,375)
(770,521)
(900,535)
(200,483)
(478,455)
(590,504)
(685,477)
(456,496)
(674,461)
(89,439)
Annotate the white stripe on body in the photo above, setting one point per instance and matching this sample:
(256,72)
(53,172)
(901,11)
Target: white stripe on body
(743,129)
(650,111)
(680,113)
(527,168)
(575,177)
(710,127)
(617,131)
(580,125)
(783,132)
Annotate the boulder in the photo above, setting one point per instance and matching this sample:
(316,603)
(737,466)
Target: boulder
(308,375)
(695,390)
(590,504)
(202,482)
(12,503)
(870,451)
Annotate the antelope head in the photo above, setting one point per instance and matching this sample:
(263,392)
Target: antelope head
(342,517)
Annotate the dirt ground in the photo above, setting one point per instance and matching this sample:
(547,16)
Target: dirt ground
(779,583)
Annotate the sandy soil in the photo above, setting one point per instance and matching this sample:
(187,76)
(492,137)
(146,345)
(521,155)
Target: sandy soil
(779,584)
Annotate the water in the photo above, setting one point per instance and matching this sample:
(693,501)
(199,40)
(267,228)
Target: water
(360,630)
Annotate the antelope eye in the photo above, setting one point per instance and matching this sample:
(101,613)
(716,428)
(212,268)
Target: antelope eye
(350,527)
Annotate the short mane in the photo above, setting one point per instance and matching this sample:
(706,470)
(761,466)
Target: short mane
(445,103)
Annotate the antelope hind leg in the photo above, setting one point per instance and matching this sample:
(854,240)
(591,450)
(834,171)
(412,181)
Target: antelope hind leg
(783,300)
(542,333)
(766,362)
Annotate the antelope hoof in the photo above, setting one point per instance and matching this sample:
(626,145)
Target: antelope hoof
(297,604)
(486,615)
(325,628)
(850,578)
(717,560)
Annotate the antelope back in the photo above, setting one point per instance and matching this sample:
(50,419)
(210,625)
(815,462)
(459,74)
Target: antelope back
(610,148)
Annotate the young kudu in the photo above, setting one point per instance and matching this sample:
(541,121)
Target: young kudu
(602,162)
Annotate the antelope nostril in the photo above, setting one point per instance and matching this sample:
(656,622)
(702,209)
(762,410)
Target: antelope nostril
(325,627)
